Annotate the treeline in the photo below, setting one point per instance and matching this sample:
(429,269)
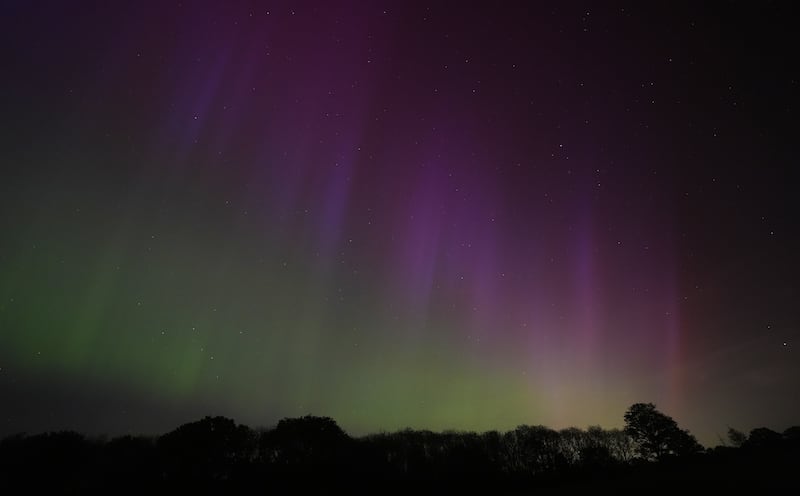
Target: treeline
(313,454)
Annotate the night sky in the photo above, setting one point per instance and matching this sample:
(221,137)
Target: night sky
(398,214)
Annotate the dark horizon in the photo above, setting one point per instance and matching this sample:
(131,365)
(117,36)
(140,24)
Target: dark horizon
(310,453)
(722,437)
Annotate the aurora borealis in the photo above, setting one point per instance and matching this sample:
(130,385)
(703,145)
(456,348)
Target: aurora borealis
(435,215)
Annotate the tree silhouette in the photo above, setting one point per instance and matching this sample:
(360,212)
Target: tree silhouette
(131,460)
(46,461)
(657,435)
(737,438)
(313,455)
(534,450)
(792,434)
(762,438)
(209,449)
(304,442)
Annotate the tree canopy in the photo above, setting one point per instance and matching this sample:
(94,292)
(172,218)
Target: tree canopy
(657,435)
